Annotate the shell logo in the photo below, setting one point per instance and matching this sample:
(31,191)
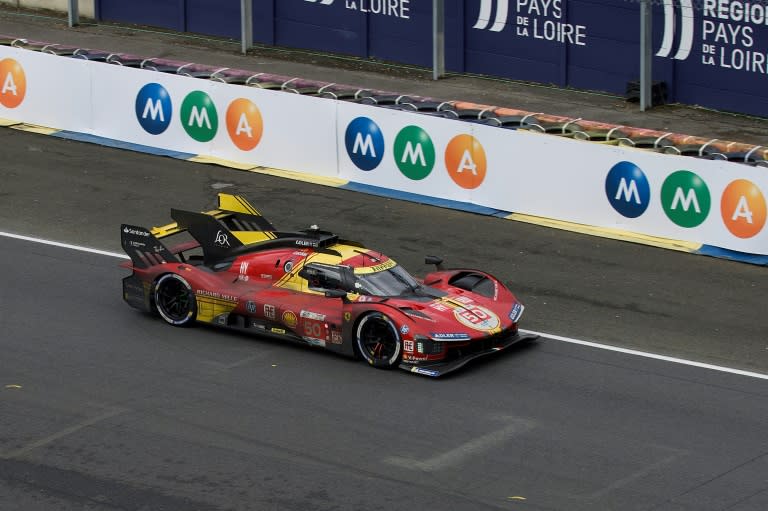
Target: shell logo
(14,83)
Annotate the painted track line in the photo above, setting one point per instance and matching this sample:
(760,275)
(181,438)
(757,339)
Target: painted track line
(554,337)
(647,354)
(63,245)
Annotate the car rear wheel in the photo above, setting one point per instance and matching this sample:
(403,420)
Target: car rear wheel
(378,341)
(174,300)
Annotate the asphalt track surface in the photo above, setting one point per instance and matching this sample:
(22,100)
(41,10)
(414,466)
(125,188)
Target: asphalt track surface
(103,407)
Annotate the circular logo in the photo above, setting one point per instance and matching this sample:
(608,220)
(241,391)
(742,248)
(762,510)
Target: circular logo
(14,83)
(685,198)
(476,317)
(198,116)
(627,189)
(414,153)
(465,161)
(742,206)
(244,124)
(290,320)
(365,143)
(154,108)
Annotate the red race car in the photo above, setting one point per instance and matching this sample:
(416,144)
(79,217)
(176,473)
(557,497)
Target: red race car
(235,269)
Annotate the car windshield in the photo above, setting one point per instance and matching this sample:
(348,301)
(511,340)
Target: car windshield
(394,281)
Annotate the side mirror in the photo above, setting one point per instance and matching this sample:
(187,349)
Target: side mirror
(335,293)
(437,261)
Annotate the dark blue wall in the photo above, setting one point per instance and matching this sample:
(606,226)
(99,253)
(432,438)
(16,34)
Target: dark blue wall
(528,44)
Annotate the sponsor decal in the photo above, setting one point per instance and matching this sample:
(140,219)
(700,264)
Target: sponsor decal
(627,189)
(244,124)
(315,342)
(743,208)
(535,19)
(290,319)
(438,306)
(408,346)
(392,8)
(199,117)
(250,307)
(300,253)
(428,372)
(266,276)
(137,244)
(404,329)
(687,200)
(312,315)
(306,243)
(221,239)
(14,83)
(476,317)
(465,161)
(269,312)
(154,108)
(729,33)
(277,330)
(336,337)
(365,143)
(216,294)
(414,153)
(448,336)
(462,299)
(517,312)
(136,232)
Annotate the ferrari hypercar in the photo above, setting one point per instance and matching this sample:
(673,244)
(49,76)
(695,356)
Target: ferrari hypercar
(231,267)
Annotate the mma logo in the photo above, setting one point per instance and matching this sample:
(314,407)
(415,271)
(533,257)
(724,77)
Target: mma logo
(484,16)
(686,22)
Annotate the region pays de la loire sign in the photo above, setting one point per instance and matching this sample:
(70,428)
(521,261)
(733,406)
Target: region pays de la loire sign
(394,8)
(731,34)
(535,19)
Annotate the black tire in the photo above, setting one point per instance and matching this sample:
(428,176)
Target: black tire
(174,300)
(378,341)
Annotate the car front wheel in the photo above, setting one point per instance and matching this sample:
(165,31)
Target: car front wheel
(378,341)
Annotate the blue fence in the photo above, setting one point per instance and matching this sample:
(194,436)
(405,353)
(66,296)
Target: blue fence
(715,55)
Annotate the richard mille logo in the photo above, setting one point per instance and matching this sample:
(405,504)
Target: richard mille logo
(484,16)
(686,30)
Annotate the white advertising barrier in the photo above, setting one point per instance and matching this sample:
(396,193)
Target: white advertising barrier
(39,88)
(710,202)
(233,122)
(399,150)
(689,199)
(704,202)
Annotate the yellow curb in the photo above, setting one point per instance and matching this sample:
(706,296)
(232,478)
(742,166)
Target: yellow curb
(605,232)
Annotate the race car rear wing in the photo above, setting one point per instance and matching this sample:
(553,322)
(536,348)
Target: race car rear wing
(143,247)
(211,229)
